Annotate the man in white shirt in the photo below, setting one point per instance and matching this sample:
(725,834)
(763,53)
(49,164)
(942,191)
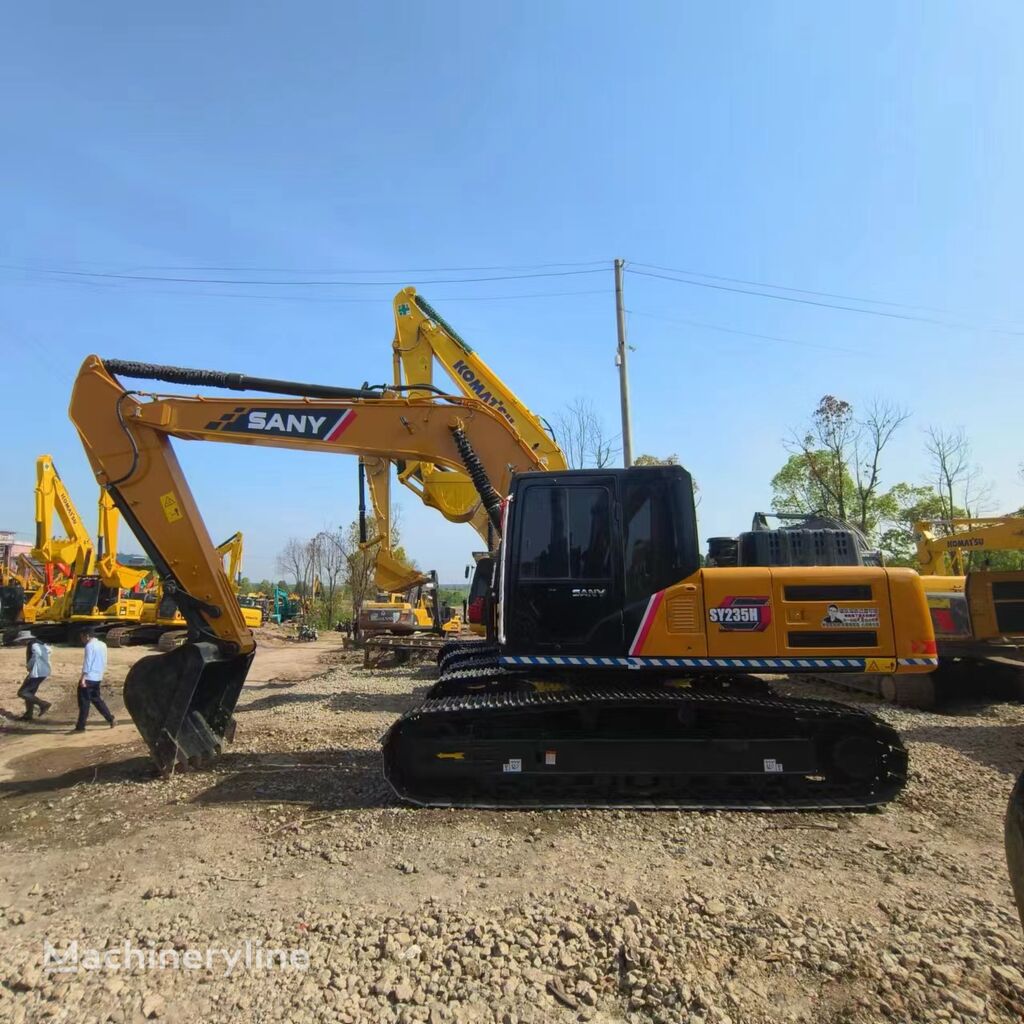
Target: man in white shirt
(94,665)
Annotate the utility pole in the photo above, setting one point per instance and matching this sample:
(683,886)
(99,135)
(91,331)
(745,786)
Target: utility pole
(620,362)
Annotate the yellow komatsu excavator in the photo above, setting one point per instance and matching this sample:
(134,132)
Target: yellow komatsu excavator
(100,591)
(424,339)
(623,671)
(977,611)
(407,599)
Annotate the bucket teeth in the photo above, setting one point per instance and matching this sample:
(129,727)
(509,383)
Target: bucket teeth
(182,703)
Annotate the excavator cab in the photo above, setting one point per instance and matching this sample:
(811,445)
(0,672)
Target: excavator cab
(588,550)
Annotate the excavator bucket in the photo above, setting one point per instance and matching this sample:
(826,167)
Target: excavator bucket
(393,576)
(1014,836)
(182,703)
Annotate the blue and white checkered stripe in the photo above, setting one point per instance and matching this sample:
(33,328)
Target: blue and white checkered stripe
(933,662)
(789,664)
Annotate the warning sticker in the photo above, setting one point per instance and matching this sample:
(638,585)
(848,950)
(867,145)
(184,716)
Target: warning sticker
(169,503)
(513,764)
(884,666)
(771,765)
(551,757)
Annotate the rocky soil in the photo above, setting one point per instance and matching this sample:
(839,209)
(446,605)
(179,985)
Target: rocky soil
(293,842)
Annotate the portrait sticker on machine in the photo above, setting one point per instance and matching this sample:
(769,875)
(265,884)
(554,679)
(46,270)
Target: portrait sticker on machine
(300,421)
(850,618)
(742,614)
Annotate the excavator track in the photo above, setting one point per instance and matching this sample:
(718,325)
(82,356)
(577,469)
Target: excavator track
(616,746)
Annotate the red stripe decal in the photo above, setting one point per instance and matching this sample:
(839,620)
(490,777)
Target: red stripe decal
(646,622)
(339,428)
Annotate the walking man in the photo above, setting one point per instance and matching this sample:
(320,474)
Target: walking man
(94,664)
(37,663)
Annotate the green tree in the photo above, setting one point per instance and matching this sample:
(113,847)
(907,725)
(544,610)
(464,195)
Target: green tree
(900,508)
(653,460)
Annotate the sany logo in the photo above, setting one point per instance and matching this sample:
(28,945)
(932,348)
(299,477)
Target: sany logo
(279,422)
(479,389)
(259,420)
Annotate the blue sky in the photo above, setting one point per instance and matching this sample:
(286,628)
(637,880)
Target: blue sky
(871,150)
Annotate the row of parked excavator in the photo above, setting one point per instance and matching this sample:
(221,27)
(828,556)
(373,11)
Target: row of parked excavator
(69,581)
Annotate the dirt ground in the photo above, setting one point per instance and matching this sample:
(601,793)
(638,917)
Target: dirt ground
(292,841)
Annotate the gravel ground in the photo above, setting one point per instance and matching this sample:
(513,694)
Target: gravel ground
(292,841)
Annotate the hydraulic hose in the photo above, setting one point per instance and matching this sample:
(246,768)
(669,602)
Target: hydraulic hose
(475,468)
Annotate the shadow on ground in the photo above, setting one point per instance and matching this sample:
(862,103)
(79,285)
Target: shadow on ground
(326,780)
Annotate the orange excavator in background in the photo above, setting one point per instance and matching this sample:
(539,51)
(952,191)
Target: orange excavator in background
(622,672)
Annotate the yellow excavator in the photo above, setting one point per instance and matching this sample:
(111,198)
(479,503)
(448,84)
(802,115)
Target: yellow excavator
(100,591)
(423,339)
(623,672)
(407,599)
(161,621)
(977,611)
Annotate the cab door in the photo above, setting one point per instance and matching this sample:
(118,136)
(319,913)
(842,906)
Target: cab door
(564,592)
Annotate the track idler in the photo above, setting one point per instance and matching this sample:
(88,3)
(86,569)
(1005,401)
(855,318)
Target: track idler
(182,703)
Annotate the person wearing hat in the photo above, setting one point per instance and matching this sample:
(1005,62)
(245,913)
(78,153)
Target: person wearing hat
(37,662)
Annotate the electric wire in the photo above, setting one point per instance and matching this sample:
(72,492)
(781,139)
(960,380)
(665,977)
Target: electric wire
(828,305)
(746,334)
(313,282)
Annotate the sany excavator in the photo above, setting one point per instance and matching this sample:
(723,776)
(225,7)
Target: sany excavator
(621,673)
(99,589)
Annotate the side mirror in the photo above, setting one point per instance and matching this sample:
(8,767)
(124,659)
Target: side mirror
(467,572)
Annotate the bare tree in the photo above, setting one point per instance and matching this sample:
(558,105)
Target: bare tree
(583,438)
(331,554)
(872,435)
(295,562)
(958,480)
(360,564)
(840,456)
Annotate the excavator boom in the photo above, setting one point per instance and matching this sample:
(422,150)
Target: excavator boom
(182,702)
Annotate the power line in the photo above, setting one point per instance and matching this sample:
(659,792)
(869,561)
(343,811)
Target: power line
(389,270)
(317,299)
(334,270)
(828,305)
(802,291)
(96,275)
(746,334)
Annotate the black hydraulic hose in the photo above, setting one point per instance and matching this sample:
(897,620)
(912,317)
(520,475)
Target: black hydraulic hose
(475,468)
(440,320)
(231,381)
(362,502)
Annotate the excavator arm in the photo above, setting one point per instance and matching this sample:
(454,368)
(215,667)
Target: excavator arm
(422,340)
(76,549)
(183,702)
(392,574)
(111,571)
(941,554)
